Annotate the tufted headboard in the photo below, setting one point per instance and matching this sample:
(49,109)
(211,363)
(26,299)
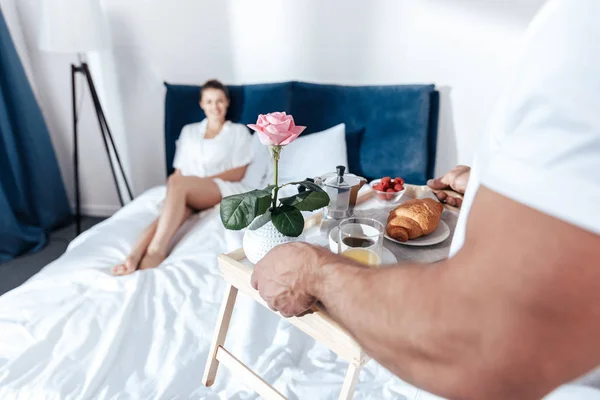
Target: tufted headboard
(390,130)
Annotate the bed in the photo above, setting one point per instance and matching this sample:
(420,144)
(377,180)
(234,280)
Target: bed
(73,331)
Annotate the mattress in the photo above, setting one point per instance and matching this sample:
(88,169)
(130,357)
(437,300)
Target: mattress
(73,331)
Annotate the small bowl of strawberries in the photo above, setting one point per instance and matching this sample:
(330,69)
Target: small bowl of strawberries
(388,190)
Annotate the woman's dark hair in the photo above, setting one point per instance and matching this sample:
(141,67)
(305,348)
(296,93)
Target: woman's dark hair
(214,84)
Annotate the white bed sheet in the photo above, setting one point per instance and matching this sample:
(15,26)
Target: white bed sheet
(74,331)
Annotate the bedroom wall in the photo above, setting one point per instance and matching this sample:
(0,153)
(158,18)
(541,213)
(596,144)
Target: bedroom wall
(466,47)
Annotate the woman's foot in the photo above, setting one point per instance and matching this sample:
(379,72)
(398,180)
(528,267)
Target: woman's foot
(152,259)
(128,267)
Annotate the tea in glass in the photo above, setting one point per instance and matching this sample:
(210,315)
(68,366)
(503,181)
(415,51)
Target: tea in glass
(361,239)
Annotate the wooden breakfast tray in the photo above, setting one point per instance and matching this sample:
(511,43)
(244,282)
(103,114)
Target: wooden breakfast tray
(237,270)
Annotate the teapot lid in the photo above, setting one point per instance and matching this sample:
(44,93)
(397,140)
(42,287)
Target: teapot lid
(339,180)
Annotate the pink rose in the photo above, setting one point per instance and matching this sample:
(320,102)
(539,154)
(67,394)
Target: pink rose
(276,129)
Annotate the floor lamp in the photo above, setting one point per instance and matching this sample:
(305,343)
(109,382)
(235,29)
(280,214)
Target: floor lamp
(78,27)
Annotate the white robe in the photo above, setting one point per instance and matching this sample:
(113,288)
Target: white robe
(201,157)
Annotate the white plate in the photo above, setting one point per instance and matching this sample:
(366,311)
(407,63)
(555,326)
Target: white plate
(440,234)
(388,257)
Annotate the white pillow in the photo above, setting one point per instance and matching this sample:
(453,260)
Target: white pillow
(256,174)
(312,155)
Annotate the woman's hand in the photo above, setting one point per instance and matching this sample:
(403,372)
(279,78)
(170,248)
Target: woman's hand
(456,179)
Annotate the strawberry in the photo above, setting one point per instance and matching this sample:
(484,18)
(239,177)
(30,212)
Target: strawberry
(390,190)
(387,180)
(398,187)
(399,180)
(379,187)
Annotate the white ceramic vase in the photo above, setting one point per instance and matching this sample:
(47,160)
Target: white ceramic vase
(259,242)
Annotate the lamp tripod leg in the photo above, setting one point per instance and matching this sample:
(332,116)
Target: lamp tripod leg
(114,147)
(75,151)
(106,136)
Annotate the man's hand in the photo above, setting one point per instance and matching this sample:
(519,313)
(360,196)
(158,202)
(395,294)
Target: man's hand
(287,277)
(456,180)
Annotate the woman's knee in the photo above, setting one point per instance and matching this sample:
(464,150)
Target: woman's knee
(175,183)
(204,195)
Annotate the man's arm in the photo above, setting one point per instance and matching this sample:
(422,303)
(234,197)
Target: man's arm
(513,315)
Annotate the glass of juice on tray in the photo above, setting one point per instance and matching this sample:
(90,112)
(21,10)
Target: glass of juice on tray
(361,239)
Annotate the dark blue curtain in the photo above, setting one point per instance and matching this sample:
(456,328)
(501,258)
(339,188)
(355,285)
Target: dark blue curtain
(32,194)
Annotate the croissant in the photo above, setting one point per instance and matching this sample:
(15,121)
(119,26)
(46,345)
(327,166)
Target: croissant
(413,219)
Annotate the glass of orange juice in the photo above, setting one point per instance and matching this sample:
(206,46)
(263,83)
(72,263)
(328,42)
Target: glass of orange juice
(361,239)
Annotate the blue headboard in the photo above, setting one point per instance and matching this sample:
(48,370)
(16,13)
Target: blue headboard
(391,130)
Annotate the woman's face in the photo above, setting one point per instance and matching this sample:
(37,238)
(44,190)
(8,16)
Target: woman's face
(214,103)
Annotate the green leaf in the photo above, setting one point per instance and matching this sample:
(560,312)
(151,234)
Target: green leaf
(308,184)
(238,211)
(289,201)
(311,186)
(288,220)
(263,204)
(265,199)
(307,201)
(258,193)
(260,221)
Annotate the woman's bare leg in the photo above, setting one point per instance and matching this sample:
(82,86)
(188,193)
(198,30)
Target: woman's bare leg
(139,249)
(183,194)
(152,259)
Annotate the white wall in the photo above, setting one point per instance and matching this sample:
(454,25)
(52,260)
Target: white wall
(466,47)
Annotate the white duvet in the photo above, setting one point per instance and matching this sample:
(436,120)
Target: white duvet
(74,331)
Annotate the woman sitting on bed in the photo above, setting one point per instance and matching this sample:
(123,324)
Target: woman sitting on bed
(210,161)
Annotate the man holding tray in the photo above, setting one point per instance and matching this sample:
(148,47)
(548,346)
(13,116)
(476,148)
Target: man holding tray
(514,313)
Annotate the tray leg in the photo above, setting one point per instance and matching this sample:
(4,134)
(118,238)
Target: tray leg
(210,371)
(350,382)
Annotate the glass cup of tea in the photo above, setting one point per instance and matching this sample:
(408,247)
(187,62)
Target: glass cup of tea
(361,239)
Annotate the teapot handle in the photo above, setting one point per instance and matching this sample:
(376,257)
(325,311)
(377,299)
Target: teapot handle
(362,181)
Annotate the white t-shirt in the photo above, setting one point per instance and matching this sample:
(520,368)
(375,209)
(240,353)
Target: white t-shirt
(197,156)
(542,147)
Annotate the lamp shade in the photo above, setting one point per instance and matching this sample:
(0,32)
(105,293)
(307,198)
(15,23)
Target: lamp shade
(72,26)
